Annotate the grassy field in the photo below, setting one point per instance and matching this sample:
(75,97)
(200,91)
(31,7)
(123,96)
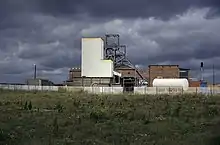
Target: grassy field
(63,118)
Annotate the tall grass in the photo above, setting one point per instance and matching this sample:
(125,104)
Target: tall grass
(81,118)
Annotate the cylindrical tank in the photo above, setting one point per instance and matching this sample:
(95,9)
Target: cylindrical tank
(171,83)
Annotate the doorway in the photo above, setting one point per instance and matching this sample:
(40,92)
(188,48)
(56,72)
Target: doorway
(128,84)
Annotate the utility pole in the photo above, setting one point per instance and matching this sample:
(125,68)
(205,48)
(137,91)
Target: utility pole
(201,70)
(213,77)
(35,71)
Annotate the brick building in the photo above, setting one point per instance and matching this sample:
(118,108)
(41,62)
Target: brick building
(193,83)
(130,76)
(154,71)
(74,73)
(166,71)
(128,72)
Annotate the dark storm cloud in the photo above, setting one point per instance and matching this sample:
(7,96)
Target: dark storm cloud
(100,8)
(48,32)
(62,59)
(187,47)
(123,8)
(35,38)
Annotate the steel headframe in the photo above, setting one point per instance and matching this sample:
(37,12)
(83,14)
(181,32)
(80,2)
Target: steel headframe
(115,51)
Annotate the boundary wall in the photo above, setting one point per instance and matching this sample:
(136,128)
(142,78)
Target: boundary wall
(115,90)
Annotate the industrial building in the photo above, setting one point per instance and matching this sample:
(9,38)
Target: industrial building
(194,83)
(104,63)
(166,71)
(172,72)
(95,69)
(74,73)
(39,82)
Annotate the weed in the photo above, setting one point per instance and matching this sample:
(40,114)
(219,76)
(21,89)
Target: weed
(7,103)
(26,106)
(59,107)
(98,116)
(3,136)
(55,126)
(30,106)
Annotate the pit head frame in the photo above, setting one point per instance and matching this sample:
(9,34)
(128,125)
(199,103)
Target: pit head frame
(116,52)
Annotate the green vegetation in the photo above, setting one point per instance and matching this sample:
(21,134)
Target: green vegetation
(47,118)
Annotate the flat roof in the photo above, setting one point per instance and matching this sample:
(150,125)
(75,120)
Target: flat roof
(162,65)
(170,65)
(125,68)
(184,69)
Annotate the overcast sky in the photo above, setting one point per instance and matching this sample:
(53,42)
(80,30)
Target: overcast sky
(47,33)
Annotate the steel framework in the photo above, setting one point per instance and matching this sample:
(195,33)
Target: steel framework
(115,51)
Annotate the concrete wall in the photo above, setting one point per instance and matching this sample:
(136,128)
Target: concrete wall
(145,90)
(88,82)
(96,90)
(92,64)
(29,87)
(175,90)
(116,90)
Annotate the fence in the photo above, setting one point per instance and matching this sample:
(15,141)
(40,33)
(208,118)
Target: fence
(29,87)
(144,90)
(117,90)
(175,90)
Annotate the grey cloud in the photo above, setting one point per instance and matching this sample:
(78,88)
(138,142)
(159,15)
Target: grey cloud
(123,8)
(50,42)
(99,8)
(36,51)
(200,42)
(62,59)
(13,65)
(176,41)
(49,35)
